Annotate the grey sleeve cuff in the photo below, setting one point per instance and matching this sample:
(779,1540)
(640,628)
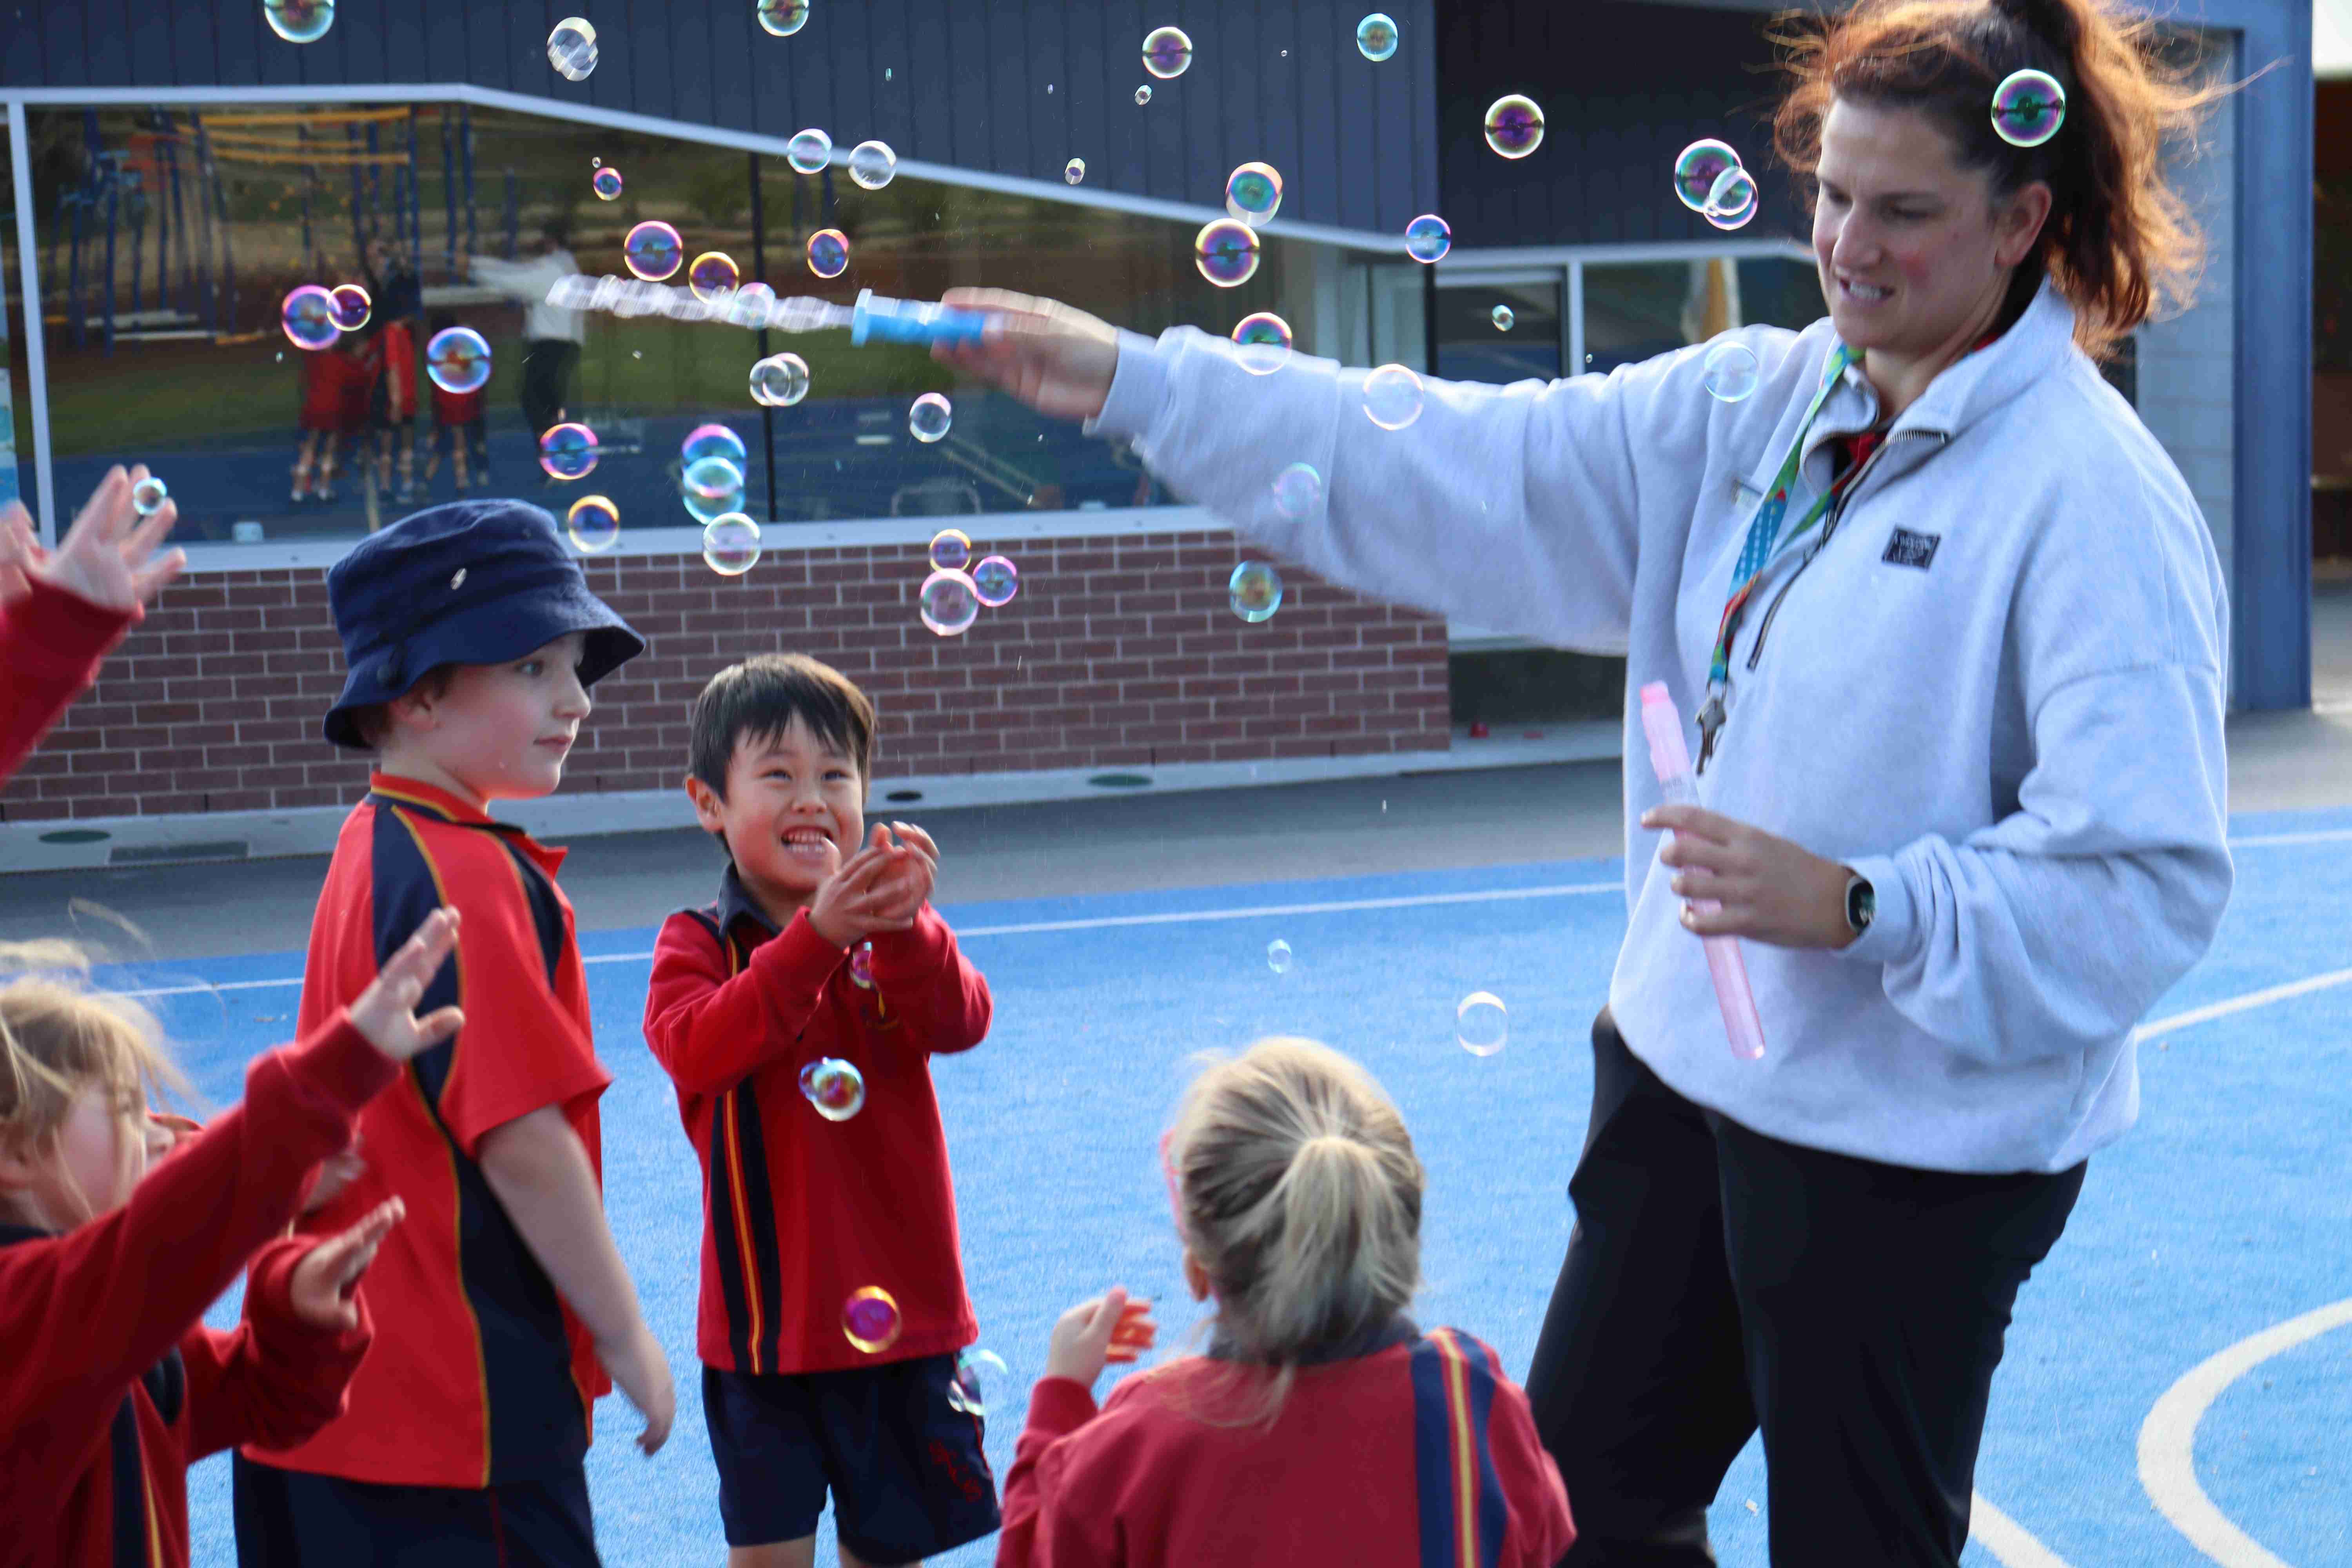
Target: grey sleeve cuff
(1138,390)
(1894,923)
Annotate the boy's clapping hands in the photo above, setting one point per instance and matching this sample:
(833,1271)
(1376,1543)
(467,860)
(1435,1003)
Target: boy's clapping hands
(880,889)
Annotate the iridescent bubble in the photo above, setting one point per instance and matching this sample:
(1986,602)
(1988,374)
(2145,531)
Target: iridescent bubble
(828,253)
(1697,168)
(995,580)
(809,151)
(928,419)
(1732,201)
(606,183)
(1482,1024)
(1277,956)
(568,451)
(1298,490)
(950,549)
(753,305)
(710,489)
(780,380)
(1226,251)
(782,18)
(949,603)
(861,966)
(835,1087)
(1254,590)
(1515,126)
(870,1319)
(713,276)
(572,48)
(1729,370)
(1376,37)
(872,165)
(298,21)
(1393,397)
(148,496)
(966,1395)
(1254,194)
(730,547)
(1166,52)
(653,250)
(351,306)
(1074,170)
(1143,95)
(2028,108)
(1264,341)
(308,315)
(1428,237)
(594,525)
(457,360)
(713,441)
(1502,319)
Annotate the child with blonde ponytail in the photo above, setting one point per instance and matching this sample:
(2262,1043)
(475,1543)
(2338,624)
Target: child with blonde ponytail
(1322,1425)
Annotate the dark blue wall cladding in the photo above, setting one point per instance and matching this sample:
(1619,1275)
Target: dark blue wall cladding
(1009,87)
(1624,87)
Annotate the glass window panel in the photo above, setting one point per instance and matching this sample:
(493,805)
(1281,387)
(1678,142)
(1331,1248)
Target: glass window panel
(1638,309)
(1472,347)
(17,477)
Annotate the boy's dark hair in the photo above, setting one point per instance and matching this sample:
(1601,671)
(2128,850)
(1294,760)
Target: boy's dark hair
(373,723)
(760,698)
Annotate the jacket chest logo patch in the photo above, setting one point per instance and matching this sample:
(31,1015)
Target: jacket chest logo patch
(1909,549)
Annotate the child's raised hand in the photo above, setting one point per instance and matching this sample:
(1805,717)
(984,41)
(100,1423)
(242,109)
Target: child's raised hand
(858,901)
(387,1011)
(320,1289)
(332,1175)
(105,557)
(1106,1327)
(20,552)
(912,873)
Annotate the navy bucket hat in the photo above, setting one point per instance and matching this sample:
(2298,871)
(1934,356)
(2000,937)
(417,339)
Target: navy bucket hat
(474,582)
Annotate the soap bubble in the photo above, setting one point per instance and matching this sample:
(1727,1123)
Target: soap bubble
(1143,95)
(1166,52)
(2028,108)
(572,48)
(1254,194)
(1074,170)
(710,488)
(1502,319)
(1226,251)
(457,360)
(872,165)
(1697,168)
(1393,397)
(1481,1023)
(1732,201)
(835,1087)
(782,18)
(1729,370)
(730,547)
(713,441)
(713,276)
(1428,237)
(950,549)
(1265,342)
(148,496)
(594,523)
(995,580)
(809,151)
(606,183)
(928,419)
(828,253)
(1515,126)
(965,1394)
(861,969)
(753,305)
(1376,37)
(1254,590)
(780,380)
(308,315)
(1277,956)
(870,1319)
(298,21)
(1298,490)
(568,451)
(653,250)
(949,603)
(351,307)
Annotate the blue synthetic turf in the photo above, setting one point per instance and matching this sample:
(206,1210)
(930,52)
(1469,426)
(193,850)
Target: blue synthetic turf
(2224,1212)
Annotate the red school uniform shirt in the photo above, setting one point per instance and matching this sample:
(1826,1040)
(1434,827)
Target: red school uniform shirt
(481,1373)
(51,643)
(456,407)
(1405,1450)
(799,1211)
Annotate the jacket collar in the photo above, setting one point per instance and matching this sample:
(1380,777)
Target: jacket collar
(736,903)
(1969,388)
(1377,1338)
(10,1235)
(416,794)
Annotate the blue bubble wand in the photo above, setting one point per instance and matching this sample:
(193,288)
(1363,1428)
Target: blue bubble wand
(874,318)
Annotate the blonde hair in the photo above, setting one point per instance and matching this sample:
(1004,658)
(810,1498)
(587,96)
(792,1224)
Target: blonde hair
(1300,1195)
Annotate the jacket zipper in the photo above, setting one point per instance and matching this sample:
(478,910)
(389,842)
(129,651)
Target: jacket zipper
(1829,528)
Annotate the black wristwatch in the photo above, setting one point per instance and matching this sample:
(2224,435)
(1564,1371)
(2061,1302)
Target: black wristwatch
(1861,903)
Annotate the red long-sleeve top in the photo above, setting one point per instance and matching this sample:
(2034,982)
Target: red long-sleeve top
(110,1383)
(50,645)
(800,1212)
(1416,1453)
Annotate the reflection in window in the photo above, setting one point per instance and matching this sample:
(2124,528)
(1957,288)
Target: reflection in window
(1634,311)
(1500,332)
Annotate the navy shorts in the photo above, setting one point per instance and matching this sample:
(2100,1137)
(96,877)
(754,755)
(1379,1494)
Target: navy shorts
(905,1468)
(289,1518)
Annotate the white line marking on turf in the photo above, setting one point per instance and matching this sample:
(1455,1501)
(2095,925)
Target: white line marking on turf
(2007,1540)
(2167,1439)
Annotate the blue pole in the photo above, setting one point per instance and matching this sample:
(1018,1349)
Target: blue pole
(415,201)
(466,151)
(174,219)
(310,262)
(449,189)
(73,201)
(358,192)
(112,198)
(227,242)
(514,212)
(137,240)
(375,186)
(205,207)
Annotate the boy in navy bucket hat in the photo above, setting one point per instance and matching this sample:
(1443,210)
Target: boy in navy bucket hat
(472,639)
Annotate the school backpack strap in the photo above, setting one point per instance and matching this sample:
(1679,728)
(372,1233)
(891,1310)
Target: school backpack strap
(1463,1514)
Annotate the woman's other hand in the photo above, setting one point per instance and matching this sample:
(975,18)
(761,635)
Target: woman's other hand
(1057,360)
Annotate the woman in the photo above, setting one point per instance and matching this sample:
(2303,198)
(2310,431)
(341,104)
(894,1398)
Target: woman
(1968,810)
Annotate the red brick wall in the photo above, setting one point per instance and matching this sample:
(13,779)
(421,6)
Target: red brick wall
(1119,651)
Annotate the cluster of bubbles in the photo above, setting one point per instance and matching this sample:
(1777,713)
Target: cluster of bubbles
(782,18)
(957,588)
(780,381)
(572,48)
(148,496)
(568,451)
(1428,237)
(298,21)
(1226,252)
(2028,108)
(313,317)
(1710,181)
